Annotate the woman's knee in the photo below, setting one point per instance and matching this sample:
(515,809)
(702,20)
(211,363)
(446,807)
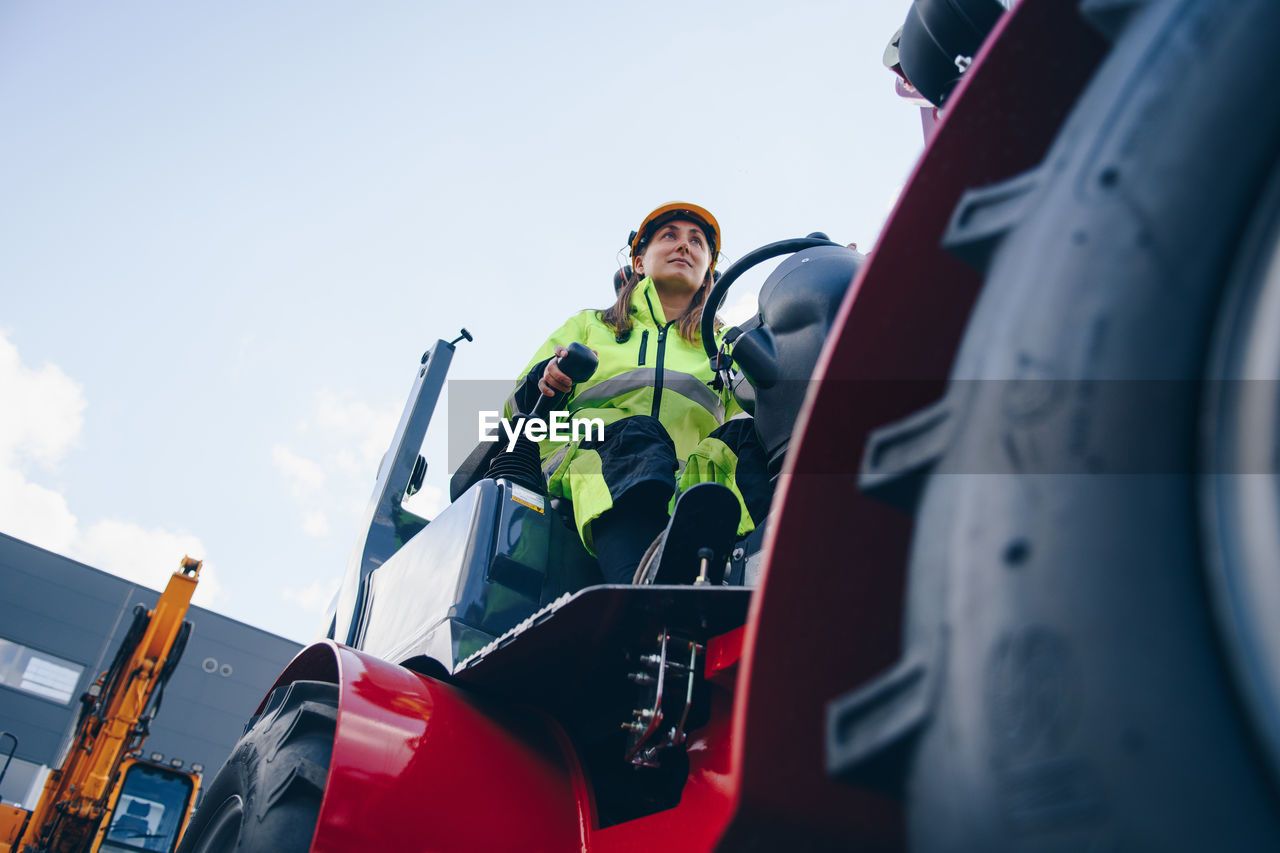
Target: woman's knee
(637,450)
(637,428)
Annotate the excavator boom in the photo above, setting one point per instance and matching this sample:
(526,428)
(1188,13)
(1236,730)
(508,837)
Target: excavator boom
(114,720)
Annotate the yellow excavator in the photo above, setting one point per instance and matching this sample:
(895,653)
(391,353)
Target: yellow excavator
(103,796)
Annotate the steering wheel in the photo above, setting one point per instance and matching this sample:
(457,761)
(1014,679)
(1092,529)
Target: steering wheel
(732,274)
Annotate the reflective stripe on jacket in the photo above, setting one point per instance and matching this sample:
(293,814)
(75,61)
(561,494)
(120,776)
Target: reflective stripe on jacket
(654,372)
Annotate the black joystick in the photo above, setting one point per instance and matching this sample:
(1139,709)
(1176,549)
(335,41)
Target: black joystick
(579,364)
(521,465)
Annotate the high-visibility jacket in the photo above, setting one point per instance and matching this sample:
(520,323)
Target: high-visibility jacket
(653,372)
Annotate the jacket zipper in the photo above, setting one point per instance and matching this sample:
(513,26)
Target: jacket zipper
(662,349)
(644,342)
(657,381)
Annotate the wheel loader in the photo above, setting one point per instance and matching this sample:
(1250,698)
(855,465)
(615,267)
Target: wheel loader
(1018,582)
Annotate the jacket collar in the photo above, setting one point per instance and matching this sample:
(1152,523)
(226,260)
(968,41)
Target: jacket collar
(646,302)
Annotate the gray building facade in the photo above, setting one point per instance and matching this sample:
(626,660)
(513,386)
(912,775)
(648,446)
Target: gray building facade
(60,624)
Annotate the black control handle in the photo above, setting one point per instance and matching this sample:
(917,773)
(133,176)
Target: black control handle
(579,363)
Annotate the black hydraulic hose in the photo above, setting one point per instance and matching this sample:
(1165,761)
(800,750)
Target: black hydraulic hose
(735,271)
(141,618)
(92,704)
(175,652)
(166,671)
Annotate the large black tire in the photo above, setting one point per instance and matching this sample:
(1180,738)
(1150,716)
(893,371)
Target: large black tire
(266,798)
(1061,585)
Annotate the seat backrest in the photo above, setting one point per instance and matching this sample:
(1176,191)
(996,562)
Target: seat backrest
(798,303)
(133,823)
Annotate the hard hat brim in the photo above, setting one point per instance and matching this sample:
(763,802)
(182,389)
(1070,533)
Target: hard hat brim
(678,210)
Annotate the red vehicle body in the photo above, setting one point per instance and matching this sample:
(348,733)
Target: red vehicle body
(423,762)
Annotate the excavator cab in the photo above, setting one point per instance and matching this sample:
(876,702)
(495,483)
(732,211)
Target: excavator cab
(149,809)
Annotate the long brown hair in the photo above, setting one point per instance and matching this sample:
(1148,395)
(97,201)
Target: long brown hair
(689,324)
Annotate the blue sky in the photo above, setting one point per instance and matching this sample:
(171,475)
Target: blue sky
(230,229)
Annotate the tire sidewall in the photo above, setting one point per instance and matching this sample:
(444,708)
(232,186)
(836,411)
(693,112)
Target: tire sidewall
(278,770)
(1056,579)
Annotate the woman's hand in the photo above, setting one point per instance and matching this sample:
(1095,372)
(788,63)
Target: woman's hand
(554,381)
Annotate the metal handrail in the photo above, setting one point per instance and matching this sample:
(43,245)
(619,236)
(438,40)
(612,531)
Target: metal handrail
(9,757)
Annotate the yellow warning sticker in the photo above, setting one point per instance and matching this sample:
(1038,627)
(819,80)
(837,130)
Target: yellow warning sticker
(531,499)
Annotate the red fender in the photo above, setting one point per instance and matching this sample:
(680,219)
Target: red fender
(419,765)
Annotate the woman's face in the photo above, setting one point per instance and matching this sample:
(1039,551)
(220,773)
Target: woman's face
(677,257)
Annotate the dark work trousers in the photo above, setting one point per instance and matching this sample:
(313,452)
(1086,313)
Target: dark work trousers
(638,463)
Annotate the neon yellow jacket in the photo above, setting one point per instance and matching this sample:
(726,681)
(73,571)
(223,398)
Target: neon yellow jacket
(654,372)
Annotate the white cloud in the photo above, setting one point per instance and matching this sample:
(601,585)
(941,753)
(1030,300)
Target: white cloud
(742,307)
(44,411)
(44,414)
(302,475)
(35,514)
(330,464)
(350,462)
(315,524)
(146,557)
(369,429)
(314,598)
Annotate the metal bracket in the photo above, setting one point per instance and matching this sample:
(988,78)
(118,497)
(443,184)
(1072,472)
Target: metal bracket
(662,675)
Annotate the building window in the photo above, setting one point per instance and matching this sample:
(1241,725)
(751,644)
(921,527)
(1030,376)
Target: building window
(38,673)
(24,782)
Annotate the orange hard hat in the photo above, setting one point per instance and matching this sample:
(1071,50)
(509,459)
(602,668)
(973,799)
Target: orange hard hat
(677,210)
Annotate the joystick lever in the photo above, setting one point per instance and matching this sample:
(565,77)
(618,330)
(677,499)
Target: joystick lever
(579,364)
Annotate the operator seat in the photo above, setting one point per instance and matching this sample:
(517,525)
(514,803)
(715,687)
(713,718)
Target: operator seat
(777,352)
(778,349)
(133,823)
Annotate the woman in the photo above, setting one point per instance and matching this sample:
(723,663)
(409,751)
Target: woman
(651,389)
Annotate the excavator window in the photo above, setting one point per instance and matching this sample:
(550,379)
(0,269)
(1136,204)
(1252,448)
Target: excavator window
(150,811)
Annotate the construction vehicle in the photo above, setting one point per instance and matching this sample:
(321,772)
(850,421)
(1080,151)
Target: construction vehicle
(1018,583)
(104,796)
